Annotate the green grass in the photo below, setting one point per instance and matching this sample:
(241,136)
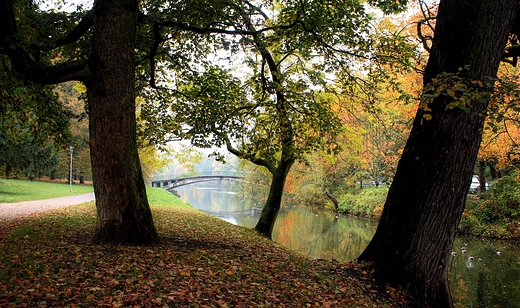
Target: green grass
(162,198)
(24,190)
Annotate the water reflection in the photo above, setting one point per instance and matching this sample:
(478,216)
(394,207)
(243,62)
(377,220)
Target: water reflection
(322,235)
(316,235)
(486,275)
(478,275)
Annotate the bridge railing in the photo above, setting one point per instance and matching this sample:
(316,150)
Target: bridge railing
(181,181)
(190,175)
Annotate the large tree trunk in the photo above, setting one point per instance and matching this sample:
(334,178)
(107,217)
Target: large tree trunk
(412,244)
(274,200)
(123,213)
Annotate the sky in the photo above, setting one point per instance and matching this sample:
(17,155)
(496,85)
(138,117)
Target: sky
(64,5)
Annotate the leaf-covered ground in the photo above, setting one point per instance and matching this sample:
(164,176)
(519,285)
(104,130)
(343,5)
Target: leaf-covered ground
(48,261)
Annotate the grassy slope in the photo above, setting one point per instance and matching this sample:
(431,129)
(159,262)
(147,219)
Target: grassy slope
(23,190)
(201,262)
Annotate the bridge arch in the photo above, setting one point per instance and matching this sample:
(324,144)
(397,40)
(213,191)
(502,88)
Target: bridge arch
(178,182)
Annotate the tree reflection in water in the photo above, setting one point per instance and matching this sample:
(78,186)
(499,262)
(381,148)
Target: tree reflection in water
(478,276)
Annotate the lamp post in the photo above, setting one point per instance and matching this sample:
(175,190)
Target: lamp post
(70,179)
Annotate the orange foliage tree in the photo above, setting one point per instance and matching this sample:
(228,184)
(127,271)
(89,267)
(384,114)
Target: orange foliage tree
(500,148)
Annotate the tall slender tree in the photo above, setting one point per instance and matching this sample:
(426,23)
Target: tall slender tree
(278,106)
(413,241)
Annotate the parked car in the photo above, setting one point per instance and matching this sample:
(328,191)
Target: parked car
(474,187)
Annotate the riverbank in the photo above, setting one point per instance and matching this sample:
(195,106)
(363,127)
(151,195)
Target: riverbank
(494,214)
(202,261)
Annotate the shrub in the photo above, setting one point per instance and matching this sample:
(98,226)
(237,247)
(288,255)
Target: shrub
(492,214)
(366,202)
(497,213)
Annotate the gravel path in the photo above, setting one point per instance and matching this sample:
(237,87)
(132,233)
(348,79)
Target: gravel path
(19,209)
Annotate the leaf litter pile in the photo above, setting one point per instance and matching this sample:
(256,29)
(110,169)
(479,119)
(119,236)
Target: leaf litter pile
(48,261)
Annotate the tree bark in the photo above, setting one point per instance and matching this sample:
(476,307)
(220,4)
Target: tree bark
(482,175)
(274,200)
(411,247)
(333,200)
(495,174)
(123,213)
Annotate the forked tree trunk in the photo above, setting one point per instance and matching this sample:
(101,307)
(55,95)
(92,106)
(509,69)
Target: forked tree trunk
(412,244)
(274,200)
(123,213)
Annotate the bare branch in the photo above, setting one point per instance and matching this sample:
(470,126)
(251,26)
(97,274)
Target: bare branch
(425,39)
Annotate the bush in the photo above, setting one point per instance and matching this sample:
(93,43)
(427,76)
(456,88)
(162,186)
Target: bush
(469,224)
(497,213)
(366,202)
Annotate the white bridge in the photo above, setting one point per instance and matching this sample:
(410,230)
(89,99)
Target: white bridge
(178,182)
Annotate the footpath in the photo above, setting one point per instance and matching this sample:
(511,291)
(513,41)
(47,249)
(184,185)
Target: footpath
(11,214)
(20,209)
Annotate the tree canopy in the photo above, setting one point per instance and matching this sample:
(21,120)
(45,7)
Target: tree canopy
(158,48)
(267,90)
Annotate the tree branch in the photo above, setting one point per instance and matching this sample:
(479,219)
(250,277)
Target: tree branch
(81,28)
(210,28)
(424,39)
(27,66)
(153,52)
(252,158)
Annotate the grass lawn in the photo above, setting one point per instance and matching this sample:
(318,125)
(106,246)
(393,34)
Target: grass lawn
(202,261)
(159,197)
(24,190)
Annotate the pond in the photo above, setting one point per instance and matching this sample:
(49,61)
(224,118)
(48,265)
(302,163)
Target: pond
(483,273)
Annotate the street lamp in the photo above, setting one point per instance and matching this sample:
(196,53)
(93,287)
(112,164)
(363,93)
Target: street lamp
(70,179)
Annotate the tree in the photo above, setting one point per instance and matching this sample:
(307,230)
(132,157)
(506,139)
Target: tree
(383,128)
(97,49)
(22,155)
(427,197)
(151,160)
(33,126)
(101,47)
(277,108)
(500,147)
(71,94)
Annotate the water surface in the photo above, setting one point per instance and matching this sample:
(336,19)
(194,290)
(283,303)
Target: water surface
(483,273)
